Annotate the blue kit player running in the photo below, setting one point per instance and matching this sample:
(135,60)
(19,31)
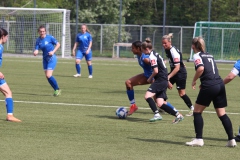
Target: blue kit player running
(84,43)
(234,72)
(49,45)
(139,79)
(4,88)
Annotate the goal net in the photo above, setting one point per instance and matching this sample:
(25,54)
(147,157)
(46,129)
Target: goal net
(122,50)
(22,25)
(221,39)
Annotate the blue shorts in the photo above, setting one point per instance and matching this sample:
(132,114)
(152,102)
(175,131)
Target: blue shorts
(49,62)
(2,82)
(80,55)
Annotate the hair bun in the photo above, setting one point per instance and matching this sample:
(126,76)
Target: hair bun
(148,40)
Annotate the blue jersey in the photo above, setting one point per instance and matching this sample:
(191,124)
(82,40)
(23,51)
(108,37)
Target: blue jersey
(236,68)
(1,52)
(83,41)
(46,44)
(146,67)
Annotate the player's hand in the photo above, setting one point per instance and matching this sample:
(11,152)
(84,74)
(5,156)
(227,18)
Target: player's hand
(73,53)
(87,51)
(170,85)
(194,85)
(1,75)
(35,52)
(149,80)
(50,53)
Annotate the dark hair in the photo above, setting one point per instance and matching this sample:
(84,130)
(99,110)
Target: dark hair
(40,27)
(147,44)
(3,32)
(137,44)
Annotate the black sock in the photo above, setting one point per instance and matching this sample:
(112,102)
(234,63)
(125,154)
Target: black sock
(187,101)
(169,110)
(152,105)
(227,124)
(198,124)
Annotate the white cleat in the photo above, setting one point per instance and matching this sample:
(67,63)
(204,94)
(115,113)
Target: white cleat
(77,75)
(195,142)
(231,143)
(90,76)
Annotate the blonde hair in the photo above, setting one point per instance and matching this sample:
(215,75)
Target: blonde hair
(86,28)
(147,43)
(168,37)
(199,44)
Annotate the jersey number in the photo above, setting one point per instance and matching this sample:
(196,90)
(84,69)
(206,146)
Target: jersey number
(211,61)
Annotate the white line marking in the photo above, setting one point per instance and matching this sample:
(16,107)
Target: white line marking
(103,106)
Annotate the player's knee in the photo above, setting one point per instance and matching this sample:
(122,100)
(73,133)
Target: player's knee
(128,83)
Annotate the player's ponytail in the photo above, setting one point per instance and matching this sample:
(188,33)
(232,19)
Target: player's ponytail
(168,37)
(147,43)
(199,44)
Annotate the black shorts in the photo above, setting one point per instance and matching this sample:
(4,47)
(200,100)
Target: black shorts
(180,81)
(216,93)
(159,88)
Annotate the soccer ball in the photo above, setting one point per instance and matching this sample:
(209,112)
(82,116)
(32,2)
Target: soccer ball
(121,113)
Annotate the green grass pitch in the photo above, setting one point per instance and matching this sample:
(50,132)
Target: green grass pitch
(81,123)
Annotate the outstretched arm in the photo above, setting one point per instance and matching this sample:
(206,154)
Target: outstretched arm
(229,78)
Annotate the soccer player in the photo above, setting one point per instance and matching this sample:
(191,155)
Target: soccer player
(212,89)
(178,73)
(49,45)
(159,80)
(140,79)
(4,88)
(84,43)
(234,72)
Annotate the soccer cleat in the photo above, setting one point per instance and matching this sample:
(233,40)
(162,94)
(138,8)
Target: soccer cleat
(190,113)
(157,117)
(237,138)
(57,93)
(77,75)
(90,76)
(179,118)
(231,143)
(195,142)
(11,118)
(133,108)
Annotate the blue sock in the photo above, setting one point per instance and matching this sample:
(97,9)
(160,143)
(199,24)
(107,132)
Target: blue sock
(53,83)
(130,94)
(78,68)
(9,105)
(90,69)
(171,106)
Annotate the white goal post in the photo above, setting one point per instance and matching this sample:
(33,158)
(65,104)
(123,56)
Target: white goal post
(117,46)
(22,25)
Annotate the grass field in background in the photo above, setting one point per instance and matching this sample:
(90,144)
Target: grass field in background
(81,123)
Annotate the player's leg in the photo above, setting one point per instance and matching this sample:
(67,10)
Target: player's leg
(203,100)
(88,58)
(4,88)
(181,85)
(220,102)
(139,79)
(237,138)
(48,69)
(152,105)
(78,59)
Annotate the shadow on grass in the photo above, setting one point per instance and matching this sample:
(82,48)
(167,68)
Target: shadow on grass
(159,141)
(32,94)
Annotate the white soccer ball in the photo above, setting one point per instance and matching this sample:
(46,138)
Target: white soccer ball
(121,112)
